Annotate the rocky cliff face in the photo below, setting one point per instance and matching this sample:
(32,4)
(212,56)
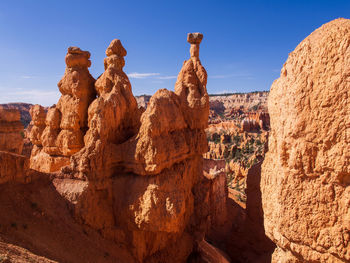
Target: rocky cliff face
(240,100)
(11,139)
(306,173)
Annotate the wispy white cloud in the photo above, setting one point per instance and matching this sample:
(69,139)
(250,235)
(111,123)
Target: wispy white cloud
(28,77)
(43,97)
(233,75)
(137,75)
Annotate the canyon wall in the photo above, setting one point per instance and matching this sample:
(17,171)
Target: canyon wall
(306,173)
(243,100)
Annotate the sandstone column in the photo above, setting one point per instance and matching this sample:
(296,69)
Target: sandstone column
(191,86)
(66,123)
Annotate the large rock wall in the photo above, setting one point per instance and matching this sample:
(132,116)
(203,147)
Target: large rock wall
(306,173)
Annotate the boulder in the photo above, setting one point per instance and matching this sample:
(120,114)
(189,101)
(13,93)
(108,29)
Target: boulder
(306,173)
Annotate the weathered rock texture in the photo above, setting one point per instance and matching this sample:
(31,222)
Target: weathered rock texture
(306,173)
(214,184)
(60,134)
(143,172)
(11,139)
(244,239)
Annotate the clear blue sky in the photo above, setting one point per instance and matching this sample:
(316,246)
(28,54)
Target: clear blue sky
(244,47)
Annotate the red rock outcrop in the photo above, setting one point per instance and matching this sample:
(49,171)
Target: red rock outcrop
(38,115)
(255,121)
(191,87)
(306,173)
(244,238)
(248,125)
(216,189)
(11,139)
(136,177)
(65,123)
(143,171)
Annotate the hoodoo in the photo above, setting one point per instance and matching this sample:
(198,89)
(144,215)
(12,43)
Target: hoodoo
(59,134)
(142,172)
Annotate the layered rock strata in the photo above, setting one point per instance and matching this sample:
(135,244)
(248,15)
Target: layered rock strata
(60,134)
(306,173)
(11,131)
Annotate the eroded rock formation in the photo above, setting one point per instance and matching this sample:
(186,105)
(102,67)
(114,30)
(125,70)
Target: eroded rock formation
(142,172)
(60,133)
(215,186)
(306,173)
(11,139)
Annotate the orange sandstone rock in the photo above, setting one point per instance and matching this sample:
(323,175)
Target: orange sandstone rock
(306,173)
(113,117)
(191,87)
(38,115)
(142,171)
(135,175)
(215,179)
(61,135)
(11,139)
(77,88)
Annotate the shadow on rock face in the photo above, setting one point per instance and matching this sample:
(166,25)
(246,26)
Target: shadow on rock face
(243,237)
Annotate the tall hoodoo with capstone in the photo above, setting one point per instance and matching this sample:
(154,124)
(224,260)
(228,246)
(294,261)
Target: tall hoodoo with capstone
(191,86)
(306,173)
